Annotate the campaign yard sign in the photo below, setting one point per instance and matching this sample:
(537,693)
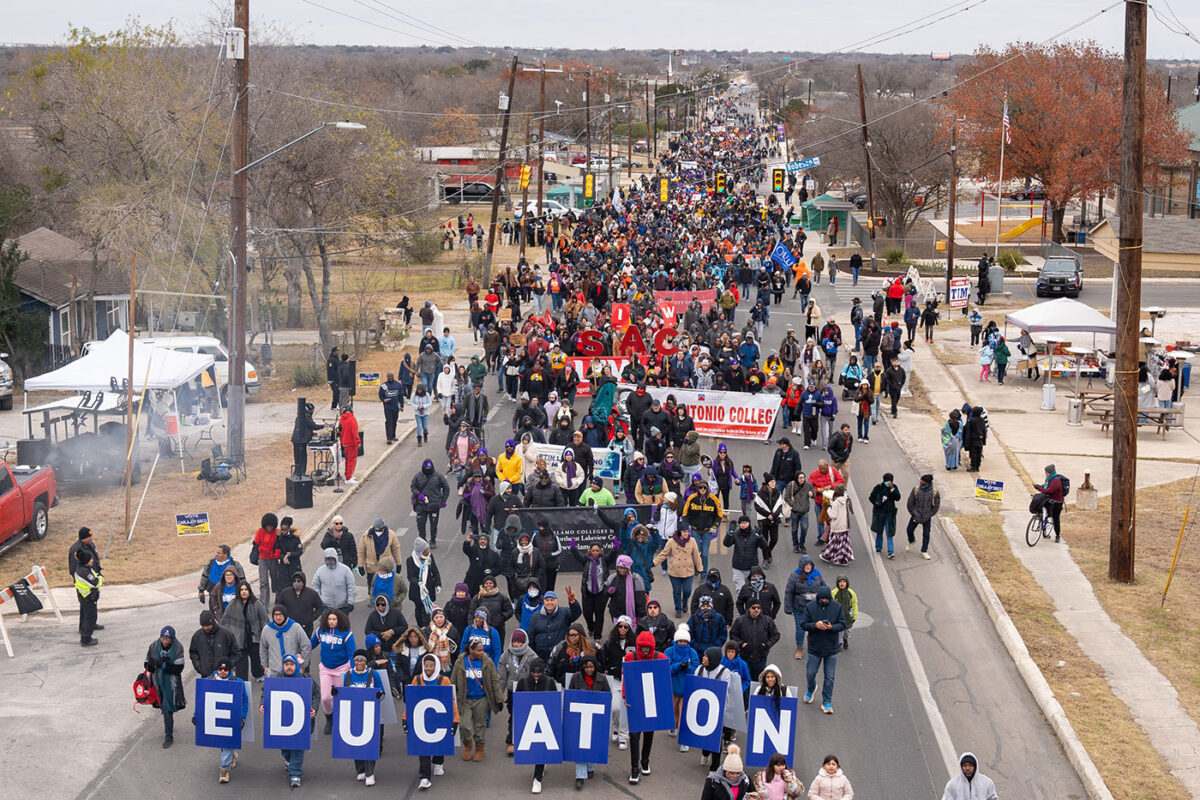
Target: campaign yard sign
(960,292)
(989,490)
(192,524)
(429,711)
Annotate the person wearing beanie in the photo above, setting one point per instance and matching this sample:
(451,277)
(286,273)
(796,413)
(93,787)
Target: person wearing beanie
(360,675)
(924,501)
(333,582)
(594,570)
(373,543)
(499,608)
(969,783)
(386,621)
(730,782)
(481,558)
(224,672)
(294,759)
(458,609)
(589,679)
(210,643)
(424,580)
(682,557)
(640,744)
(514,665)
(711,666)
(747,543)
(164,661)
(626,591)
(597,495)
(538,680)
(658,624)
(85,541)
(480,631)
(684,661)
(87,590)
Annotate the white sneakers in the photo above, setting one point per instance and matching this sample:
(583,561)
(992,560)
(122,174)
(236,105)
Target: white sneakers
(537,786)
(926,556)
(362,776)
(351,481)
(438,769)
(425,783)
(370,781)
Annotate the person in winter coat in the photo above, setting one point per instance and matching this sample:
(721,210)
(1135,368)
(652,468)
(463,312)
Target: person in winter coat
(480,631)
(626,591)
(708,628)
(894,378)
(830,782)
(721,596)
(430,493)
(371,545)
(757,587)
(430,675)
(923,504)
(768,510)
(386,621)
(222,593)
(838,550)
(682,557)
(848,599)
(549,625)
(883,499)
(587,678)
(824,620)
(801,589)
(477,684)
(301,603)
(798,496)
(164,660)
(658,624)
(547,543)
(481,559)
(210,644)
(747,543)
(500,507)
(567,656)
(224,672)
(515,664)
(777,782)
(336,641)
(975,437)
(265,553)
(458,609)
(969,783)
(339,537)
(524,564)
(408,650)
(280,637)
(543,492)
(684,661)
(640,744)
(570,477)
(712,668)
(595,564)
(641,544)
(210,576)
(245,618)
(442,638)
(499,608)
(424,580)
(731,782)
(537,680)
(755,634)
(334,582)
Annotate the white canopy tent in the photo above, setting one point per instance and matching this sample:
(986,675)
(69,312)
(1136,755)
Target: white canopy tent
(1062,316)
(153,368)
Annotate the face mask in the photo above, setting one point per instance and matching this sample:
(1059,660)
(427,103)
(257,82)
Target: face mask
(533,592)
(297,585)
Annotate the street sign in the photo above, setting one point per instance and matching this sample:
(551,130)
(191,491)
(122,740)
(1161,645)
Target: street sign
(960,292)
(808,163)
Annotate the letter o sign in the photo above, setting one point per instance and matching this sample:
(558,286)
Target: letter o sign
(707,700)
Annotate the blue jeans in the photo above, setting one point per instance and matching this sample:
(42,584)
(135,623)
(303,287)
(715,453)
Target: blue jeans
(830,666)
(744,291)
(295,762)
(864,427)
(799,525)
(868,362)
(703,540)
(832,277)
(854,274)
(796,616)
(803,302)
(875,409)
(556,301)
(858,338)
(581,770)
(422,425)
(681,590)
(429,378)
(889,529)
(227,758)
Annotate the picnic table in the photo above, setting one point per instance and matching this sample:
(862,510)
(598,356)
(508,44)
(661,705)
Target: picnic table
(1162,419)
(1090,397)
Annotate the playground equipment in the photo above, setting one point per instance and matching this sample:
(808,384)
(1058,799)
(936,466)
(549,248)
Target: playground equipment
(1024,226)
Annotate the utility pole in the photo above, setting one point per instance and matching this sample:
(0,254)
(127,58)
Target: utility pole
(129,455)
(953,203)
(587,123)
(629,131)
(649,130)
(1122,530)
(525,188)
(541,137)
(500,172)
(866,143)
(655,134)
(608,102)
(238,218)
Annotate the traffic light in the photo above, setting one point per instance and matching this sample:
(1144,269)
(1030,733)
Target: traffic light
(664,190)
(776,180)
(524,182)
(589,186)
(720,183)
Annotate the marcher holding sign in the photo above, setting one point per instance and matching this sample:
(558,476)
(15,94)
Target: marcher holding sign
(586,706)
(430,719)
(289,709)
(221,705)
(646,689)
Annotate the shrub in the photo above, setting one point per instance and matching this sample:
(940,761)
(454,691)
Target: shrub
(1011,259)
(895,255)
(308,375)
(423,247)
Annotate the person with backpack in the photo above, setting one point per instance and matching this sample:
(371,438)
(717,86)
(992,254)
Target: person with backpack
(923,503)
(164,661)
(1055,487)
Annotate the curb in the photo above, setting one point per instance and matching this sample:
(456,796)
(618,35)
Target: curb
(1043,695)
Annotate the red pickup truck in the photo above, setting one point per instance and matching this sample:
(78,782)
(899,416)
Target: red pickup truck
(26,495)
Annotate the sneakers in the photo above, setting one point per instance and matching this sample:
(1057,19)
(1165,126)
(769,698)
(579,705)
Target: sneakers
(223,776)
(805,447)
(808,696)
(425,783)
(438,770)
(92,642)
(168,741)
(370,781)
(683,748)
(925,555)
(233,763)
(362,776)
(295,783)
(671,732)
(578,784)
(646,768)
(908,547)
(537,786)
(351,481)
(891,555)
(827,708)
(633,778)
(622,744)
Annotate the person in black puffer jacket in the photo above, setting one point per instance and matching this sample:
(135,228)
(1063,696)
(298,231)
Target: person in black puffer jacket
(747,543)
(480,559)
(543,493)
(759,588)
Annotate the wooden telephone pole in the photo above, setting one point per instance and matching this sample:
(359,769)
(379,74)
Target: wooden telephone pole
(500,173)
(866,143)
(239,155)
(953,202)
(608,102)
(541,136)
(1122,522)
(525,188)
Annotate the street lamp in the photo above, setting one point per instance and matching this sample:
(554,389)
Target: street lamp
(236,393)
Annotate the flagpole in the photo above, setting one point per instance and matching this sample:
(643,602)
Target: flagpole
(1000,182)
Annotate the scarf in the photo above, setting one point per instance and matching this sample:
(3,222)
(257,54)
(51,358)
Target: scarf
(163,681)
(422,576)
(525,549)
(478,501)
(630,599)
(594,574)
(380,539)
(440,643)
(217,569)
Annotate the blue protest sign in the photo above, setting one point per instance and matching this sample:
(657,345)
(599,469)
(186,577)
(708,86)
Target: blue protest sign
(537,728)
(356,723)
(648,695)
(220,708)
(702,712)
(585,726)
(772,729)
(429,711)
(783,256)
(286,706)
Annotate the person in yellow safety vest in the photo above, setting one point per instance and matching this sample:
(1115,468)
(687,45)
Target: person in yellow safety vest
(87,587)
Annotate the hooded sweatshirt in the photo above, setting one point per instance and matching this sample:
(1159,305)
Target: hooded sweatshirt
(979,787)
(335,584)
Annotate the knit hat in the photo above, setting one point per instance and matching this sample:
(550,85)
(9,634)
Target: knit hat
(481,612)
(167,631)
(625,619)
(625,561)
(84,532)
(733,761)
(519,637)
(683,633)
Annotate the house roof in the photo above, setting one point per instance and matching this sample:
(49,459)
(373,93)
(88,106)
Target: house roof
(57,262)
(1168,243)
(1189,120)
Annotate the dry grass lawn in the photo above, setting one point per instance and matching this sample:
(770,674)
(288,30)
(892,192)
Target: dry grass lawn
(1122,751)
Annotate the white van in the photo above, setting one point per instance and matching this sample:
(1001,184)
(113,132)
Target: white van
(208,346)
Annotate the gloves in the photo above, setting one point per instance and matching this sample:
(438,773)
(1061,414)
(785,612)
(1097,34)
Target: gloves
(404,725)
(572,541)
(362,571)
(422,498)
(612,590)
(454,729)
(379,695)
(333,691)
(350,608)
(193,720)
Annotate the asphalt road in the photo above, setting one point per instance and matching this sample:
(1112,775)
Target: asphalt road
(881,730)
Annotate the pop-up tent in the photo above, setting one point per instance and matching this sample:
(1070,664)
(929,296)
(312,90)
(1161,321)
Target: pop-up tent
(153,368)
(1062,316)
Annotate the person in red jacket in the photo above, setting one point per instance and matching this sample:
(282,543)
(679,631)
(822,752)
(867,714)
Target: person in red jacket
(822,478)
(348,425)
(640,743)
(266,548)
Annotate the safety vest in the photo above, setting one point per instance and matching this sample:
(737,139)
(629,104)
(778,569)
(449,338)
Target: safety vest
(84,588)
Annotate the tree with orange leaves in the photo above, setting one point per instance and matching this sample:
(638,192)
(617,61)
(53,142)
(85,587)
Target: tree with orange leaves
(1064,108)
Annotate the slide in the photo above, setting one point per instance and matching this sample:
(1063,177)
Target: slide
(1024,226)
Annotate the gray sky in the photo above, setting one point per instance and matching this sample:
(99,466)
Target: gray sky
(703,24)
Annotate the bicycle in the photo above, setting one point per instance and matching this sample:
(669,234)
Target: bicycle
(1040,526)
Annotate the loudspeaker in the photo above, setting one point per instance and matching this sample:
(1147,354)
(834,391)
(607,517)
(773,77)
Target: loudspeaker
(299,492)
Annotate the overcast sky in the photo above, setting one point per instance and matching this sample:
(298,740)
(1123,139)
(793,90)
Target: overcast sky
(811,25)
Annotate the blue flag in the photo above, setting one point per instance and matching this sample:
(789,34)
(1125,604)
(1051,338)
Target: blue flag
(286,706)
(430,714)
(356,723)
(783,256)
(771,729)
(648,695)
(537,728)
(702,712)
(220,709)
(585,726)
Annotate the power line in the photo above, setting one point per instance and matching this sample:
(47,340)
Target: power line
(427,26)
(379,25)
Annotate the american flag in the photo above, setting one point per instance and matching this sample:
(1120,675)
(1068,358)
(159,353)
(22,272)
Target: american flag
(1007,127)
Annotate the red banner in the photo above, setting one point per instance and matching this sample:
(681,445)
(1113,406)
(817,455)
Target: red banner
(681,299)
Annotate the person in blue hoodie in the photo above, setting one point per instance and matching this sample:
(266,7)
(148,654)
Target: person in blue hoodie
(683,661)
(363,677)
(531,603)
(224,672)
(829,410)
(336,641)
(734,663)
(480,630)
(801,589)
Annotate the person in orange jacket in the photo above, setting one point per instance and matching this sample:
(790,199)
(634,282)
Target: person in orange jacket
(348,427)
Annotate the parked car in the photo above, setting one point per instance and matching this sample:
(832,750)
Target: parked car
(6,384)
(550,208)
(26,495)
(207,345)
(1060,275)
(469,192)
(1031,193)
(860,202)
(551,177)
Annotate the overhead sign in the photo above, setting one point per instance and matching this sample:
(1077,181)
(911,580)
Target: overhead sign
(960,292)
(808,163)
(192,524)
(989,490)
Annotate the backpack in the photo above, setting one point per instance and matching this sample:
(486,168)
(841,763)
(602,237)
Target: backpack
(145,693)
(1066,484)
